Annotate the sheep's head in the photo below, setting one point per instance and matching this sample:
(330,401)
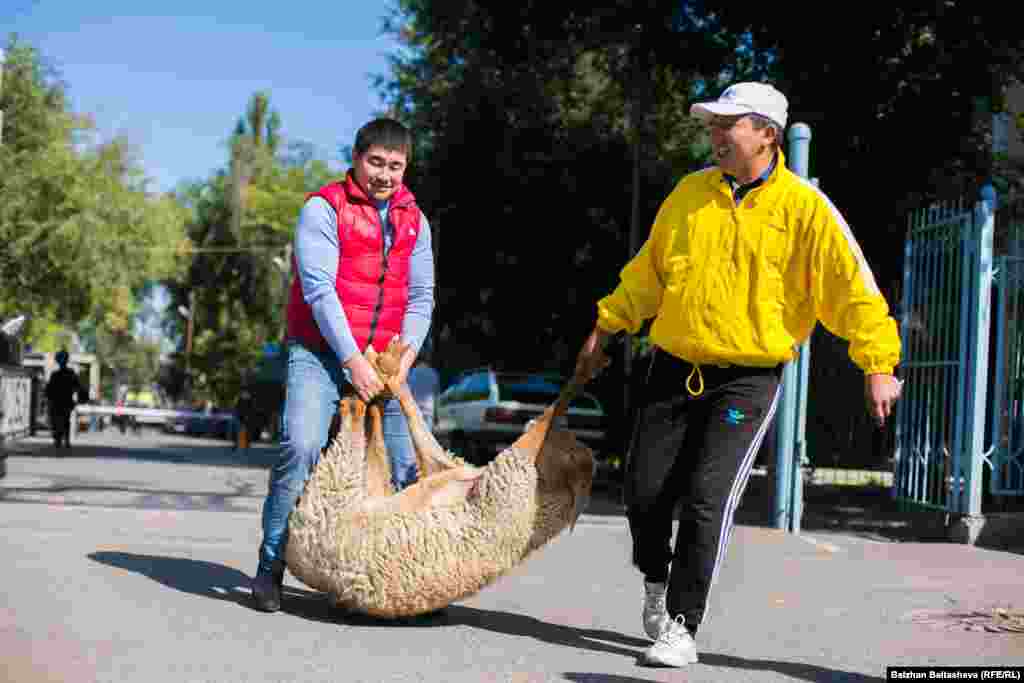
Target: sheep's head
(565,464)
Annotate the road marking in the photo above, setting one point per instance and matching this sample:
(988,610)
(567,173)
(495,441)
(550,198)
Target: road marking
(827,547)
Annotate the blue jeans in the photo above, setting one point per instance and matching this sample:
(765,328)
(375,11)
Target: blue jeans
(315,384)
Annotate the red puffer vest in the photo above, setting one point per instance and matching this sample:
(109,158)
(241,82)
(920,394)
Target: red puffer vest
(373,290)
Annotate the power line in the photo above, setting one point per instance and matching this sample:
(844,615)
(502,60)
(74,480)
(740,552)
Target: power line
(208,250)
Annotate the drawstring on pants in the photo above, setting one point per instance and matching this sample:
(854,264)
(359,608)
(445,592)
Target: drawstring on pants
(700,379)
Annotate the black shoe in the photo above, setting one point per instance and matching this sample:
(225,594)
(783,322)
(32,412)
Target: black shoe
(266,588)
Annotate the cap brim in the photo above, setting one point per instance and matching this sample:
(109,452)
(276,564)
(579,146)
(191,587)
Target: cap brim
(707,110)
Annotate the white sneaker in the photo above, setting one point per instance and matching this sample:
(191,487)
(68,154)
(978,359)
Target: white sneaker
(656,618)
(675,646)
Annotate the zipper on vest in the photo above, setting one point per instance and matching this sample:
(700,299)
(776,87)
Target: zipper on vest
(380,289)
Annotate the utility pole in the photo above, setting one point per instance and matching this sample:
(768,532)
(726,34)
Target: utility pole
(188,314)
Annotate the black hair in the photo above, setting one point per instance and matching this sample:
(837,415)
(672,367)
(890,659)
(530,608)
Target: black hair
(386,133)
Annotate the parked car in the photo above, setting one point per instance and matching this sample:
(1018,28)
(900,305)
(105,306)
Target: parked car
(484,411)
(213,423)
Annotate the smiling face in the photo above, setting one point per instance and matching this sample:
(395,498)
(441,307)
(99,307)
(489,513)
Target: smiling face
(379,171)
(738,146)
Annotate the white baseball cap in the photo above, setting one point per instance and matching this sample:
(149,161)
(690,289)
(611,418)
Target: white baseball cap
(745,98)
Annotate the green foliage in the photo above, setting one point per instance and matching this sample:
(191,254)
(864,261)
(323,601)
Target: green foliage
(130,362)
(899,102)
(242,219)
(79,229)
(530,119)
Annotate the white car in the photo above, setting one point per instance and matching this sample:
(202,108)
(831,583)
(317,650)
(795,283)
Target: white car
(484,411)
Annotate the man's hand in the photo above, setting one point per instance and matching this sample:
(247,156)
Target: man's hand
(881,392)
(364,378)
(592,358)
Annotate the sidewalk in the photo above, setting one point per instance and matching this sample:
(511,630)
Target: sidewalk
(123,586)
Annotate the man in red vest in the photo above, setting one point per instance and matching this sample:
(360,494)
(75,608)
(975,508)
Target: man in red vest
(365,274)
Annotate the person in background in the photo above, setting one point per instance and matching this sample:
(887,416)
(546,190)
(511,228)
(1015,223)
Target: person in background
(243,418)
(743,260)
(62,390)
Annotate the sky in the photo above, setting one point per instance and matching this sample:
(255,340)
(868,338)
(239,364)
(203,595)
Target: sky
(174,82)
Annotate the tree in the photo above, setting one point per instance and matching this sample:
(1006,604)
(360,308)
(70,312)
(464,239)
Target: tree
(242,219)
(78,226)
(535,120)
(899,101)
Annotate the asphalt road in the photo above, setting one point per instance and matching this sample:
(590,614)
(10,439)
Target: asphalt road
(128,561)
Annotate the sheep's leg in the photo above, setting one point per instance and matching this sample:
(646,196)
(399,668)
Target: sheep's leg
(451,487)
(340,475)
(430,455)
(531,442)
(378,465)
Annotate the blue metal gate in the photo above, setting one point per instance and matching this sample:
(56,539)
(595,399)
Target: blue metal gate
(945,332)
(1007,404)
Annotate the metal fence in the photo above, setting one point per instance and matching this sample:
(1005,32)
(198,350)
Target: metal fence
(960,430)
(1006,408)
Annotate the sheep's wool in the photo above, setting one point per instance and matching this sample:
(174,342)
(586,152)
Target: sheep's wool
(371,556)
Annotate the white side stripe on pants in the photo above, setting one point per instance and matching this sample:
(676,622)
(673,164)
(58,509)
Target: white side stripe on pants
(732,502)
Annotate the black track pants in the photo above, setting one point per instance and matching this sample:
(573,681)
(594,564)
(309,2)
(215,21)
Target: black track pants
(696,452)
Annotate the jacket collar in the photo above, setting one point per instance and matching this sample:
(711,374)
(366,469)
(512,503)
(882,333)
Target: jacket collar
(719,182)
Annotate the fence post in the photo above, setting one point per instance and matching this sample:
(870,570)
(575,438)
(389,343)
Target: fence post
(902,416)
(969,525)
(996,400)
(790,420)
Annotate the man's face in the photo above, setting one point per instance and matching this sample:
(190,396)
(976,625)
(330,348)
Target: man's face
(379,171)
(735,143)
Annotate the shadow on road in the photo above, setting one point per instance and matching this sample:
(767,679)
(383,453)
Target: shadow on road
(190,452)
(198,577)
(220,582)
(512,624)
(864,511)
(794,670)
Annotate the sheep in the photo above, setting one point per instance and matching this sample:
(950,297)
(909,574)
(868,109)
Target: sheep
(442,539)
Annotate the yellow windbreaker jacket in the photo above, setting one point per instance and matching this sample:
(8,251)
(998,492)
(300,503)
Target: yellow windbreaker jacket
(743,285)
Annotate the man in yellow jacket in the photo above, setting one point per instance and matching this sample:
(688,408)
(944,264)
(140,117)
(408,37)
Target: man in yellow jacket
(742,261)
